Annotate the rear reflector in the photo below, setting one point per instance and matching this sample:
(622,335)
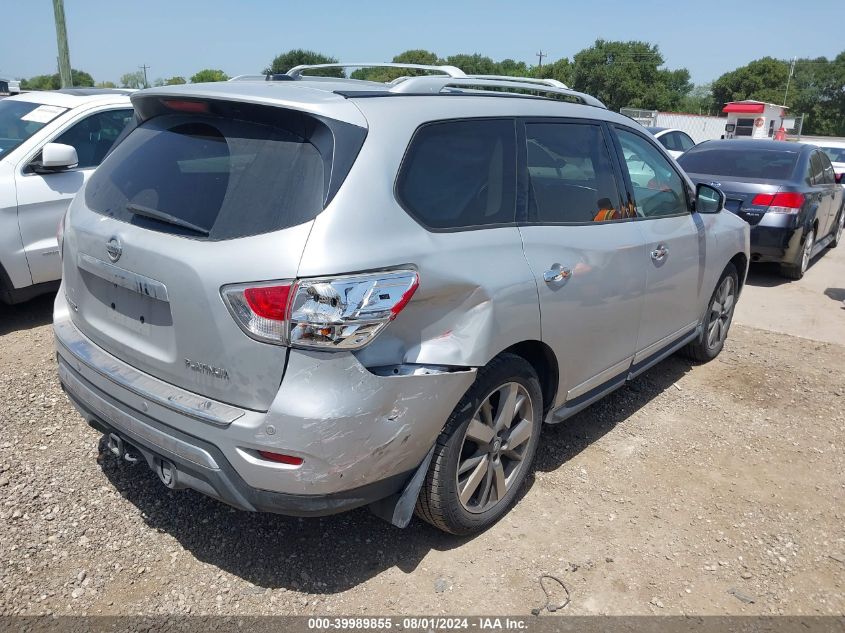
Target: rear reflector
(280,458)
(784,202)
(182,105)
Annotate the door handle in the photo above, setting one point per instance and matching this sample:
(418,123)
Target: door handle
(659,253)
(556,274)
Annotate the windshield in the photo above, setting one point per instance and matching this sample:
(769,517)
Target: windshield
(769,164)
(835,154)
(21,119)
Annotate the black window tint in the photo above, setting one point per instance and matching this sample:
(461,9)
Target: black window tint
(93,136)
(672,141)
(459,174)
(829,174)
(685,142)
(570,174)
(726,160)
(230,177)
(816,169)
(658,189)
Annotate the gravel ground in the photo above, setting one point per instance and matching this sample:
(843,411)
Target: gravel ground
(714,489)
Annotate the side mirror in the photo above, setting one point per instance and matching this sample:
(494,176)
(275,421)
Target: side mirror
(708,199)
(56,157)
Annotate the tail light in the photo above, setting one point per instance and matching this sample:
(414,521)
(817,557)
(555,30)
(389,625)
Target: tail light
(838,178)
(330,313)
(785,202)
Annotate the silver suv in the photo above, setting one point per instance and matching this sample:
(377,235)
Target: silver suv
(311,294)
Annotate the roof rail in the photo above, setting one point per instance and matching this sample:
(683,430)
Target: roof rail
(248,78)
(553,83)
(436,85)
(451,71)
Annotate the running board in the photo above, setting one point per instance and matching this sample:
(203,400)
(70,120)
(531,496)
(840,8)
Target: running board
(580,403)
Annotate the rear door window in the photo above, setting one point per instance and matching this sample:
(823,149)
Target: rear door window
(816,169)
(570,175)
(460,174)
(211,177)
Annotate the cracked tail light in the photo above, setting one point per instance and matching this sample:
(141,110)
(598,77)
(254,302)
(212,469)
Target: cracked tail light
(327,313)
(348,312)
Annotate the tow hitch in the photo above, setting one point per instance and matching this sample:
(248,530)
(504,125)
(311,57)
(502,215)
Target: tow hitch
(121,449)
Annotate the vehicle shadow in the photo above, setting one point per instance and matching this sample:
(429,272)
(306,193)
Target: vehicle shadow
(765,276)
(25,316)
(332,554)
(561,442)
(837,294)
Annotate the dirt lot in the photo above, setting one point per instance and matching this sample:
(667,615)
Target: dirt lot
(713,489)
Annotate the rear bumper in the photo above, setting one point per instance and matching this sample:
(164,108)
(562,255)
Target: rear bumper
(360,434)
(775,239)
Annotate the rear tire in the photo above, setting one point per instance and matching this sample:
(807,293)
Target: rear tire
(717,319)
(840,228)
(796,269)
(484,453)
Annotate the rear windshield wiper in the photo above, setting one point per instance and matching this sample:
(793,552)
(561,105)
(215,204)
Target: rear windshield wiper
(161,216)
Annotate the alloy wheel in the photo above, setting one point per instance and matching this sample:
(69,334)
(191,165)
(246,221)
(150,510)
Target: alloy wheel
(494,447)
(721,310)
(808,248)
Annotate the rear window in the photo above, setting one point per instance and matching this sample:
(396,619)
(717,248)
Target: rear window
(212,177)
(740,162)
(460,174)
(835,154)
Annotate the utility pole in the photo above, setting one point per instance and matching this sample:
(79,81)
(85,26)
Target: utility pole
(791,70)
(541,55)
(145,68)
(61,40)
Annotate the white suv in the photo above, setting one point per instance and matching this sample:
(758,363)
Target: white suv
(50,143)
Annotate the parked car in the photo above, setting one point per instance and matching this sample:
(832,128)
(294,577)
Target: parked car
(309,295)
(786,191)
(50,143)
(835,151)
(675,141)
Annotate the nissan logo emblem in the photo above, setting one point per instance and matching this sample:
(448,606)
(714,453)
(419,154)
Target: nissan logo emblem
(114,249)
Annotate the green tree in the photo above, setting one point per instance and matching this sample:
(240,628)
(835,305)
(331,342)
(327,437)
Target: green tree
(700,101)
(762,79)
(175,81)
(414,56)
(628,74)
(132,80)
(559,70)
(474,64)
(296,57)
(106,84)
(80,79)
(208,75)
(816,89)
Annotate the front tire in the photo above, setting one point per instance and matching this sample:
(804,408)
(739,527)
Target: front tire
(486,449)
(718,318)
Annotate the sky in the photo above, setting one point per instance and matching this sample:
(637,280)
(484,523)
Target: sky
(108,38)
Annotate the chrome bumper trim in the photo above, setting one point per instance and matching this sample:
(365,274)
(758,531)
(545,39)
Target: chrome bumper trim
(78,346)
(133,428)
